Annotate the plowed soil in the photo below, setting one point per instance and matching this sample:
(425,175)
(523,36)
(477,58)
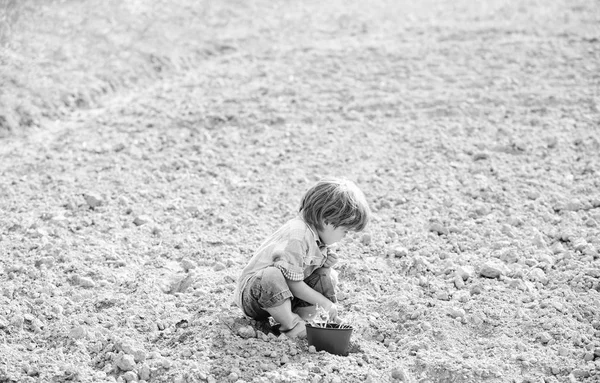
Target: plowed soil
(149,147)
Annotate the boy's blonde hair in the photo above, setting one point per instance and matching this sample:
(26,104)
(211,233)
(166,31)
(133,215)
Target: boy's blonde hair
(335,201)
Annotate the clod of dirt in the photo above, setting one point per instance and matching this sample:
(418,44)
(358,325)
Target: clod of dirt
(141,220)
(492,269)
(93,200)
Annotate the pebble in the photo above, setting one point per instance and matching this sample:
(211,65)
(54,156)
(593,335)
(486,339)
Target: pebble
(442,295)
(476,289)
(458,282)
(312,350)
(492,269)
(400,251)
(144,372)
(93,200)
(438,228)
(141,220)
(544,337)
(557,248)
(400,374)
(84,282)
(187,264)
(130,376)
(580,373)
(125,362)
(78,332)
(366,239)
(456,313)
(465,272)
(219,266)
(247,332)
(538,275)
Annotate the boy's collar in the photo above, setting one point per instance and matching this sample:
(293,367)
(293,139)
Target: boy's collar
(315,235)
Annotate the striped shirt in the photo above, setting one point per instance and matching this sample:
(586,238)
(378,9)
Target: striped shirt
(295,249)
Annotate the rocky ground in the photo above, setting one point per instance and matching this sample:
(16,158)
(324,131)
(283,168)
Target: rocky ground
(148,147)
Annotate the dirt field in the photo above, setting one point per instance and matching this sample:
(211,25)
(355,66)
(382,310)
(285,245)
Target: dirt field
(148,147)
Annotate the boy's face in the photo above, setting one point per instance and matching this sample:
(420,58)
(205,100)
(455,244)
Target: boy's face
(330,234)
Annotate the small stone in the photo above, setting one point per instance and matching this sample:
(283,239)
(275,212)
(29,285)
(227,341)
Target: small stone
(144,372)
(538,275)
(125,362)
(458,282)
(465,272)
(141,220)
(366,239)
(400,252)
(247,332)
(588,356)
(476,289)
(78,332)
(544,337)
(93,200)
(442,295)
(32,371)
(456,313)
(139,355)
(573,205)
(312,350)
(492,269)
(180,283)
(580,373)
(219,266)
(284,359)
(84,282)
(400,374)
(438,228)
(480,156)
(557,248)
(266,366)
(188,264)
(130,376)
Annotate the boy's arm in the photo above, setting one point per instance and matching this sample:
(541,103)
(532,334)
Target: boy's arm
(303,291)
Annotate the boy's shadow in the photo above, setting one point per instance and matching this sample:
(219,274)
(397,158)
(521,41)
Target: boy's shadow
(239,326)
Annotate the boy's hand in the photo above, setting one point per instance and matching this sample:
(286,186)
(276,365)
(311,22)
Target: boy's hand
(332,310)
(331,260)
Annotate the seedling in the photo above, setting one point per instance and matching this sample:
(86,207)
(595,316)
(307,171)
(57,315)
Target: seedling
(321,319)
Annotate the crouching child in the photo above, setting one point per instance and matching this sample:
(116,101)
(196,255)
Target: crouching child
(291,273)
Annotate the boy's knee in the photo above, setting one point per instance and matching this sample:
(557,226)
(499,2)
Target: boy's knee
(272,276)
(327,272)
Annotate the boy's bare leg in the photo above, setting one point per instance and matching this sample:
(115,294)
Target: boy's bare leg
(292,324)
(307,313)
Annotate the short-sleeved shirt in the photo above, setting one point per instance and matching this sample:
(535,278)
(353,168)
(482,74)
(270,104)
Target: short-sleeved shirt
(295,249)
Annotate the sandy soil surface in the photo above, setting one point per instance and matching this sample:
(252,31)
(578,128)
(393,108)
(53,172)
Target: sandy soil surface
(148,148)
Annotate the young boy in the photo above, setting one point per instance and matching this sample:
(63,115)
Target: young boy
(290,273)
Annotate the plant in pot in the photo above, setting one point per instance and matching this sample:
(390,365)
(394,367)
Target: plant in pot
(327,335)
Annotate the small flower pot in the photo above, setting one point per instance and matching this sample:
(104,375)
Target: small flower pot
(331,338)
